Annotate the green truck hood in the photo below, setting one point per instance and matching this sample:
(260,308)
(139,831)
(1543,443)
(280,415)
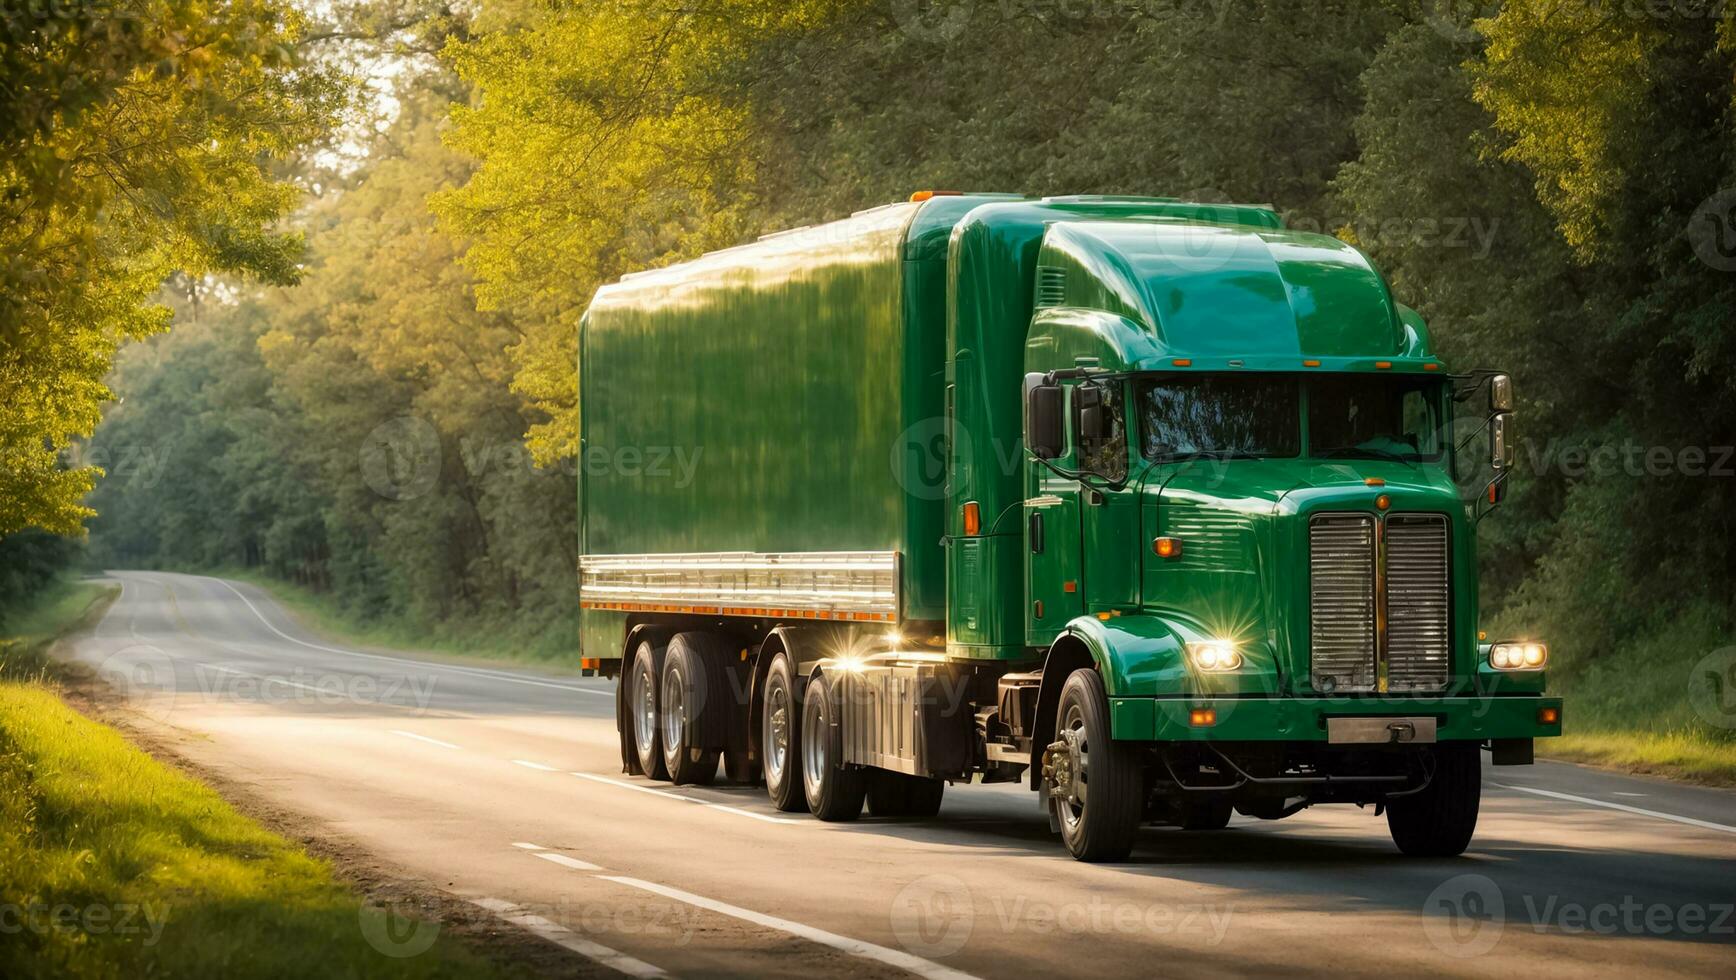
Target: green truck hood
(1243,569)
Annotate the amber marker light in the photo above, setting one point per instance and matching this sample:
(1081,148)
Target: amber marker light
(1549,716)
(1382,502)
(973,519)
(1310,363)
(1183,362)
(1202,717)
(1431,366)
(1382,365)
(1167,547)
(1374,481)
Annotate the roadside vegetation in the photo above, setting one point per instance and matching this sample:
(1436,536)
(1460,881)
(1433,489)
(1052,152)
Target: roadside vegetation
(113,865)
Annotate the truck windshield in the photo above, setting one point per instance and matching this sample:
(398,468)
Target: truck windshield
(1374,417)
(1217,416)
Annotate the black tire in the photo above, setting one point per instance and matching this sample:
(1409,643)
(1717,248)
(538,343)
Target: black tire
(1102,826)
(781,737)
(834,791)
(644,711)
(1206,815)
(1439,821)
(688,691)
(894,794)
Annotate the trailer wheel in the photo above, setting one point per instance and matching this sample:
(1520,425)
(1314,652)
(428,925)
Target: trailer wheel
(689,691)
(642,704)
(1439,821)
(1095,783)
(834,790)
(781,737)
(894,794)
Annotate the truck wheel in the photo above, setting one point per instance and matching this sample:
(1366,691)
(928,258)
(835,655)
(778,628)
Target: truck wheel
(1094,782)
(1206,815)
(688,693)
(834,790)
(781,737)
(894,794)
(643,706)
(1439,821)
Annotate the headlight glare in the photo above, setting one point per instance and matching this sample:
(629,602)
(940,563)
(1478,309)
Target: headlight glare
(1518,656)
(1214,656)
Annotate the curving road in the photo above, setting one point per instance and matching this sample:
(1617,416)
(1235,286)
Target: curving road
(503,785)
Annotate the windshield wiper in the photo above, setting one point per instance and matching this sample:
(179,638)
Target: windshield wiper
(1207,454)
(1340,452)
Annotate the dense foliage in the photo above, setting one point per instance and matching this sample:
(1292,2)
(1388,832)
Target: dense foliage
(137,138)
(1546,184)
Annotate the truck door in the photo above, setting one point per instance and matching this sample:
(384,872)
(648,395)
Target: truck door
(1054,583)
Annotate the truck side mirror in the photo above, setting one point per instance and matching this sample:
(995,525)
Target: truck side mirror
(1500,394)
(1500,443)
(1044,435)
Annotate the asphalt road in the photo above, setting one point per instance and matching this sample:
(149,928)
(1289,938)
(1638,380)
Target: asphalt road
(503,786)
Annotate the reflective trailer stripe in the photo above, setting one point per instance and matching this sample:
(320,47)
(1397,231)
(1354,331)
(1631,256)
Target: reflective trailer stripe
(844,585)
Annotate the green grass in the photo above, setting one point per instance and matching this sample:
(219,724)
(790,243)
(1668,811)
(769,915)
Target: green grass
(487,639)
(114,865)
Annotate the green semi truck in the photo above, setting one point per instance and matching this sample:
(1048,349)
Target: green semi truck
(1156,506)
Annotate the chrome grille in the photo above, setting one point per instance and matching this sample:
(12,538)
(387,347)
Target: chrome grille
(1418,607)
(1341,602)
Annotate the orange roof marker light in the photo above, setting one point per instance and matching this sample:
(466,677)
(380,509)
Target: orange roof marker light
(1310,363)
(1431,366)
(1383,365)
(920,196)
(1183,362)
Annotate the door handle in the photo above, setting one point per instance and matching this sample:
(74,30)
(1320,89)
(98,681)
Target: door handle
(1036,532)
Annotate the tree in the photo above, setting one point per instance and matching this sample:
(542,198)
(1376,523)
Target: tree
(138,138)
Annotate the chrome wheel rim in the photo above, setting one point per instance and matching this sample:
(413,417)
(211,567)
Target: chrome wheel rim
(1073,810)
(815,725)
(644,705)
(674,712)
(775,732)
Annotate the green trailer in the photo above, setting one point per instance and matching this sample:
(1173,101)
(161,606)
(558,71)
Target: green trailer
(1154,505)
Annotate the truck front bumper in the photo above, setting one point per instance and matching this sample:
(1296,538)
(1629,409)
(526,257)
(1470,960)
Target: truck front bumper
(1212,719)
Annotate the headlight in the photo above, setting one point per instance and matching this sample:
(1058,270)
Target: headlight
(1214,656)
(1518,656)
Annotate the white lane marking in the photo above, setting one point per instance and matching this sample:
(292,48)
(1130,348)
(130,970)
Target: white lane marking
(726,808)
(567,862)
(561,936)
(423,738)
(528,847)
(855,947)
(534,765)
(477,671)
(1588,801)
(1619,793)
